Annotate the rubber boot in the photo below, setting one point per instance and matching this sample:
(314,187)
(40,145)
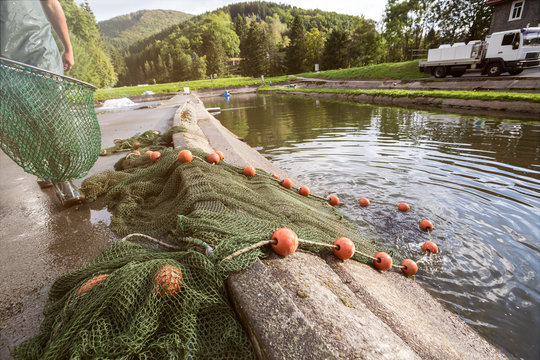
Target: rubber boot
(68,193)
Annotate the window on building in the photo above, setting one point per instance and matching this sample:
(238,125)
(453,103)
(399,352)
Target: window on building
(516,10)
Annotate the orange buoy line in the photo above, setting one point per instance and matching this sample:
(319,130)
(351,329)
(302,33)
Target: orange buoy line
(285,242)
(159,242)
(249,248)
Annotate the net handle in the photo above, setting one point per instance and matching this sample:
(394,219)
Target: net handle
(9,61)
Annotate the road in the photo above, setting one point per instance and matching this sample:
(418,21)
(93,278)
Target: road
(41,240)
(534,72)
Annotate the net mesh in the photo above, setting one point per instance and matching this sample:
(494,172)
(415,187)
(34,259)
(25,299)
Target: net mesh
(48,125)
(150,140)
(142,300)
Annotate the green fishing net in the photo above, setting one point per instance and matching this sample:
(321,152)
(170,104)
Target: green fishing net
(48,125)
(149,140)
(143,300)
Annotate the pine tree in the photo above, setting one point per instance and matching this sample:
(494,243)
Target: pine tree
(256,56)
(296,49)
(216,59)
(336,50)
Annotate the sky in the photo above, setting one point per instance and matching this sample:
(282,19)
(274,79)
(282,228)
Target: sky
(106,9)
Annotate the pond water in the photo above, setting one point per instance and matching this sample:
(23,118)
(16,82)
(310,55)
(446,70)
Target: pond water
(476,178)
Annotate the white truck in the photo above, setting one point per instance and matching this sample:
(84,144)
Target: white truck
(506,51)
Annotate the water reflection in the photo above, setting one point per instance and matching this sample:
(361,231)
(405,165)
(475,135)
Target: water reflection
(476,178)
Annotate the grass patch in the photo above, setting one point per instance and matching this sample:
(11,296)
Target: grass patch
(467,95)
(126,91)
(401,70)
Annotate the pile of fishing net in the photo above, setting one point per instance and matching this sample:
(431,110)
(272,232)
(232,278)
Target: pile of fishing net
(166,298)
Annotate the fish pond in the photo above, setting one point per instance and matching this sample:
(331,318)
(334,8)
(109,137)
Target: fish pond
(476,178)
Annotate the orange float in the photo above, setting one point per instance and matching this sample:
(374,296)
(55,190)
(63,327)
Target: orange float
(286,183)
(333,200)
(96,280)
(167,280)
(156,132)
(155,155)
(148,152)
(364,202)
(221,155)
(185,156)
(345,248)
(430,247)
(249,170)
(136,145)
(136,152)
(275,176)
(409,267)
(383,262)
(403,207)
(286,241)
(213,158)
(426,225)
(304,191)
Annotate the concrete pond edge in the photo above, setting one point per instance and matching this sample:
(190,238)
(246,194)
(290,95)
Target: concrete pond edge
(307,307)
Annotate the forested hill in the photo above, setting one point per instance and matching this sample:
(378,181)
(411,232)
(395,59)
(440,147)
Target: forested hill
(263,38)
(201,46)
(122,31)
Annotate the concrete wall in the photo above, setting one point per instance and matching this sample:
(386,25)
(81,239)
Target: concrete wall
(501,13)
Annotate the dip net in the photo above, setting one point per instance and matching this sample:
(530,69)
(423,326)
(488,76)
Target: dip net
(48,125)
(164,297)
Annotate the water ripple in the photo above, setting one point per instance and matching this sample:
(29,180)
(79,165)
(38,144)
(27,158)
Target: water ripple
(476,178)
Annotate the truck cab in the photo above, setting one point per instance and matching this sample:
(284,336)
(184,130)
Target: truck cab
(511,51)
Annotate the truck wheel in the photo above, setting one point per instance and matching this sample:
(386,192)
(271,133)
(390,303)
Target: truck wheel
(494,69)
(516,72)
(457,73)
(439,72)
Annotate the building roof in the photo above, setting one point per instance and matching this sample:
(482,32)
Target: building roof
(493,2)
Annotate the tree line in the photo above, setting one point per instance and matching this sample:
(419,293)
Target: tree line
(262,38)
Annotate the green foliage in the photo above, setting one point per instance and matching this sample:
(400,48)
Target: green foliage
(401,70)
(213,49)
(126,91)
(405,23)
(256,51)
(466,95)
(423,24)
(461,20)
(322,20)
(336,51)
(297,47)
(142,62)
(188,51)
(314,46)
(123,31)
(365,46)
(92,63)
